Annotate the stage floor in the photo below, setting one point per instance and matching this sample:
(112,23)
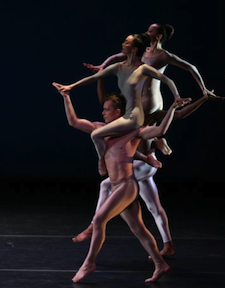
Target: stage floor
(36,249)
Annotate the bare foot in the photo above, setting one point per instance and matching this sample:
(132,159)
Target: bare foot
(101,167)
(159,272)
(168,249)
(83,272)
(162,145)
(85,235)
(154,162)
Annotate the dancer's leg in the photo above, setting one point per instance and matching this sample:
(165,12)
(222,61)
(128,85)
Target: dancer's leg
(123,195)
(133,216)
(105,189)
(149,193)
(84,235)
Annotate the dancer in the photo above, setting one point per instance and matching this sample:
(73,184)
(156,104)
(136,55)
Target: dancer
(123,199)
(152,102)
(132,78)
(156,56)
(159,58)
(144,175)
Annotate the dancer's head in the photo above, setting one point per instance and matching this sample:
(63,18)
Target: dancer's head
(136,44)
(160,32)
(113,107)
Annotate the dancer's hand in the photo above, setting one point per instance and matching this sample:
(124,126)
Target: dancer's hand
(181,102)
(94,68)
(62,88)
(153,161)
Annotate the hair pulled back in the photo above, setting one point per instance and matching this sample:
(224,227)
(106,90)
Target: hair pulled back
(166,30)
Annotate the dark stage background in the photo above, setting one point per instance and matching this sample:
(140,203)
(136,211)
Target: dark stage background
(46,41)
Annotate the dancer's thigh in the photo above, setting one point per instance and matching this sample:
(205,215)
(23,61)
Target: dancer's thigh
(121,197)
(115,128)
(143,170)
(149,193)
(105,190)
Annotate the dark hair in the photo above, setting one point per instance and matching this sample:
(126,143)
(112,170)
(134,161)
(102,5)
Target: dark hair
(141,41)
(118,100)
(166,30)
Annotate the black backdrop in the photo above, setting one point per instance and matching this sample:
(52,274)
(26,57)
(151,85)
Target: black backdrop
(48,41)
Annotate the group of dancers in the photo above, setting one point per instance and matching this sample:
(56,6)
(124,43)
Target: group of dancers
(126,141)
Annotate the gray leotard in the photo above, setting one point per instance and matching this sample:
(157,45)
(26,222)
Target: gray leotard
(134,107)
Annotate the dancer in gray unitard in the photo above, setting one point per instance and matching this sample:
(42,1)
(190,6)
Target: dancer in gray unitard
(131,75)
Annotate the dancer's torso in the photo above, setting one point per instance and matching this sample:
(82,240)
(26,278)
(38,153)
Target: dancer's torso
(133,96)
(151,97)
(119,155)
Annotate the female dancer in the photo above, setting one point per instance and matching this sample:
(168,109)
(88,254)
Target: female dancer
(156,56)
(132,84)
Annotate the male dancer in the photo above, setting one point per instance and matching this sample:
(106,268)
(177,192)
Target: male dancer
(123,199)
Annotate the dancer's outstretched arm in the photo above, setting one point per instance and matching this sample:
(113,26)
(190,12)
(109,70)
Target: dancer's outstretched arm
(110,70)
(150,132)
(183,112)
(177,61)
(189,109)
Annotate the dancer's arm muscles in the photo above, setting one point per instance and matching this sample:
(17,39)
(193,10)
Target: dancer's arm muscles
(90,79)
(181,113)
(110,70)
(177,61)
(189,109)
(81,124)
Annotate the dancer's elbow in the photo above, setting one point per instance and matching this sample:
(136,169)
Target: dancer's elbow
(72,123)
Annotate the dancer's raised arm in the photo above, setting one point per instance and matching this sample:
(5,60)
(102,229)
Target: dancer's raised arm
(110,70)
(183,112)
(78,123)
(156,131)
